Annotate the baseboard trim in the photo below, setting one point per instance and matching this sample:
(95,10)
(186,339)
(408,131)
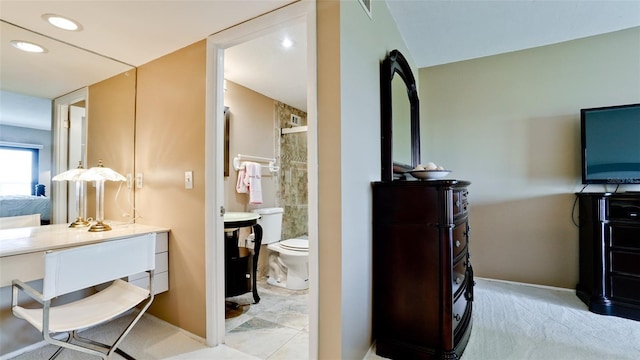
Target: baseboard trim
(176,328)
(526,284)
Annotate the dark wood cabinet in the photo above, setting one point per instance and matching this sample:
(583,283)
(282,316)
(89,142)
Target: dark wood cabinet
(422,275)
(610,253)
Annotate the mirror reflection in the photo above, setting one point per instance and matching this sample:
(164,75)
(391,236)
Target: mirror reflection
(401,127)
(52,125)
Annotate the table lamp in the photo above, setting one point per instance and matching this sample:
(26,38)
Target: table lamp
(100,174)
(81,201)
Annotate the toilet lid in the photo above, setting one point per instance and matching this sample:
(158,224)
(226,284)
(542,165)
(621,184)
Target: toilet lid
(295,244)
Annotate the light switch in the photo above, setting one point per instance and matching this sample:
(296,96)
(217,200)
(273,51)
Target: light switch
(139,181)
(188,179)
(129,181)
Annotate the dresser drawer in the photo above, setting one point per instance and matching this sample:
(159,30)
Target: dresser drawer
(459,272)
(459,308)
(625,288)
(625,236)
(625,262)
(460,238)
(460,203)
(624,209)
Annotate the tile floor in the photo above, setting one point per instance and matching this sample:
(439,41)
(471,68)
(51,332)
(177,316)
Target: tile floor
(275,328)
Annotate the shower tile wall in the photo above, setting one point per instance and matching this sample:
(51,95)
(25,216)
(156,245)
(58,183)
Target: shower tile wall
(291,186)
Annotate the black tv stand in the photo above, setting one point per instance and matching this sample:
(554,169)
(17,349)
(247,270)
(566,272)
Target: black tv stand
(609,280)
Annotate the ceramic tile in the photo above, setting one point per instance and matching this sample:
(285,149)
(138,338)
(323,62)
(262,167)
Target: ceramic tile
(218,352)
(259,338)
(297,348)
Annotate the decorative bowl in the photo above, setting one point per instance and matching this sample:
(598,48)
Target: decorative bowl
(429,174)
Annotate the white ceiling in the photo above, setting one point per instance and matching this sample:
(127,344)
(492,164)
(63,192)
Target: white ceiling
(440,32)
(136,32)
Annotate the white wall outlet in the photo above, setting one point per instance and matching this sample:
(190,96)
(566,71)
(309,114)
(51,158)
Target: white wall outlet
(295,120)
(129,181)
(188,179)
(139,181)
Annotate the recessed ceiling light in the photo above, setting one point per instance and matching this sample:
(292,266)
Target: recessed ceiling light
(28,46)
(286,43)
(62,22)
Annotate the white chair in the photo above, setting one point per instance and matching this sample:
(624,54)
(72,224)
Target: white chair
(10,222)
(84,267)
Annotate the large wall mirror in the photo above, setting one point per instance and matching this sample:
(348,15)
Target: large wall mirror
(71,104)
(400,118)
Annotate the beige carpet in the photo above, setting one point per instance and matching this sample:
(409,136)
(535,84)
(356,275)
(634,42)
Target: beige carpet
(511,322)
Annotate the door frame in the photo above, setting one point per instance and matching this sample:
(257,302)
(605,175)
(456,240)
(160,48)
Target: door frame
(60,147)
(303,11)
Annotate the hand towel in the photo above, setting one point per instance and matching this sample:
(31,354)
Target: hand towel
(241,184)
(253,173)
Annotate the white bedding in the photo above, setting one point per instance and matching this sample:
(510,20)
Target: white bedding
(14,205)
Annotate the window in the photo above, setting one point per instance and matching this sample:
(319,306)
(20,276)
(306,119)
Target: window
(19,174)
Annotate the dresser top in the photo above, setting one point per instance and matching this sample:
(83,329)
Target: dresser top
(453,183)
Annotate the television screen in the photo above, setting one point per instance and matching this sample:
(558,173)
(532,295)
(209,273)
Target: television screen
(611,144)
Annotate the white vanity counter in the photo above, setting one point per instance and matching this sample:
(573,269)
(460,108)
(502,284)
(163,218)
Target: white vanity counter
(21,249)
(49,237)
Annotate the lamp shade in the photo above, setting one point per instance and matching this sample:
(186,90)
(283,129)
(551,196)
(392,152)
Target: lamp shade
(100,172)
(71,174)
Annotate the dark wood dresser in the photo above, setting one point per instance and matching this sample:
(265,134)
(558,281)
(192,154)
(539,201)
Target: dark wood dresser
(609,280)
(422,277)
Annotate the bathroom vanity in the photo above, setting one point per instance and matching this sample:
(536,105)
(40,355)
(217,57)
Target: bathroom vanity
(239,276)
(422,275)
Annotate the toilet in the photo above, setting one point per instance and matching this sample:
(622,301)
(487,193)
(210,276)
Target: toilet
(289,259)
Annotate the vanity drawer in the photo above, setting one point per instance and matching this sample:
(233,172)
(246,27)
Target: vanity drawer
(160,282)
(460,238)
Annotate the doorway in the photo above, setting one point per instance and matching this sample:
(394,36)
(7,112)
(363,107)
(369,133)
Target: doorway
(214,173)
(69,148)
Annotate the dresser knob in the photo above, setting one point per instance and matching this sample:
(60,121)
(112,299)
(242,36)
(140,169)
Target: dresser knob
(457,317)
(457,243)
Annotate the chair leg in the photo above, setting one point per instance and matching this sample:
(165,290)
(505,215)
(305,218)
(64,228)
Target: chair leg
(114,347)
(67,344)
(105,346)
(59,350)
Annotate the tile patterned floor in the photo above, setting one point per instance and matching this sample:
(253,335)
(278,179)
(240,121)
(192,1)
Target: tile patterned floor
(275,328)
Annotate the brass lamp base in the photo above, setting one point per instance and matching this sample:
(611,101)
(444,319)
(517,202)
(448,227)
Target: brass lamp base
(99,226)
(79,222)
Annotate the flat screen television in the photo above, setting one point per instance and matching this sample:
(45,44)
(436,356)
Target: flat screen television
(611,144)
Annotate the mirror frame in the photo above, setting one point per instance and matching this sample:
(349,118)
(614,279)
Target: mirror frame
(396,64)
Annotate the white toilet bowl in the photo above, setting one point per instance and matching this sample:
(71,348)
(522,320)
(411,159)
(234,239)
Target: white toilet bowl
(289,264)
(288,259)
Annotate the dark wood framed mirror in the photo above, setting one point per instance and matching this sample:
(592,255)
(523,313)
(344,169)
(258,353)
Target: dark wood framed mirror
(400,117)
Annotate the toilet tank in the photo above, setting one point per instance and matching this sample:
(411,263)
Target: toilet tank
(271,223)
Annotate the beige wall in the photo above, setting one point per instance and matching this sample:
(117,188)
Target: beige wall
(170,136)
(251,132)
(510,124)
(111,121)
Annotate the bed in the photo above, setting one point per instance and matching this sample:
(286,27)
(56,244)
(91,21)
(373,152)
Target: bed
(14,205)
